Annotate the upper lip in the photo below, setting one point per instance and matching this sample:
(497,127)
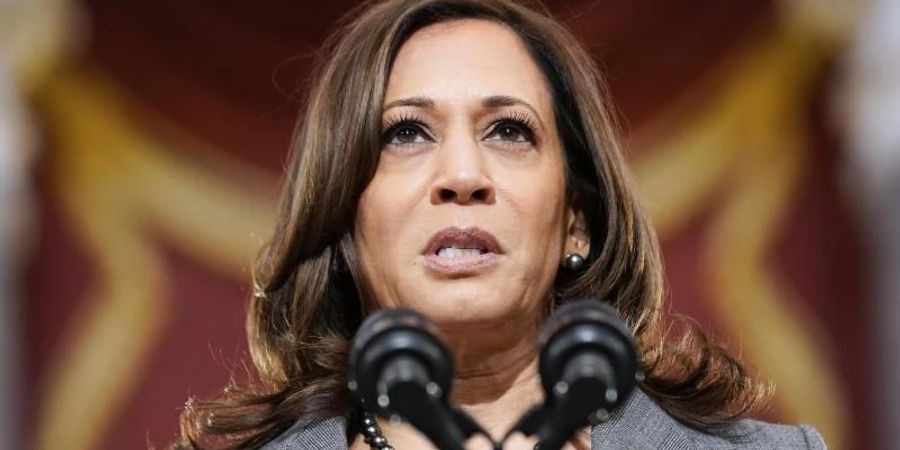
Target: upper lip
(468,237)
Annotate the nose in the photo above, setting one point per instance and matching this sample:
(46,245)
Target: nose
(461,177)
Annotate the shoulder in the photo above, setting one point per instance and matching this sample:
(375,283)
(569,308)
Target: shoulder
(641,424)
(756,434)
(327,434)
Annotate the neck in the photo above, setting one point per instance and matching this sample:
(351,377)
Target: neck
(496,384)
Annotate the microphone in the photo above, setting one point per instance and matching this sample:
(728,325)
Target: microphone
(588,366)
(401,370)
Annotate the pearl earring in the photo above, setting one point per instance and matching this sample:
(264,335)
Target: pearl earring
(574,262)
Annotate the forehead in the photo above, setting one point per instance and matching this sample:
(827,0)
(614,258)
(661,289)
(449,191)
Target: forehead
(466,60)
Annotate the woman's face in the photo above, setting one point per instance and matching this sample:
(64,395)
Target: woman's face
(465,219)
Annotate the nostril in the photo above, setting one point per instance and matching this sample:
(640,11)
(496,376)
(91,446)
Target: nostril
(480,195)
(447,194)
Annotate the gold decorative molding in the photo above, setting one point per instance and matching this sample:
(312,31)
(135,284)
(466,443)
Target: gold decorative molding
(745,144)
(118,186)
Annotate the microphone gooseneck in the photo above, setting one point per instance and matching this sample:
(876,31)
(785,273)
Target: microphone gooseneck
(400,369)
(588,366)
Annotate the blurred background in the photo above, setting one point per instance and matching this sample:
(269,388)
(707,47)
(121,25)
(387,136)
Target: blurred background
(141,147)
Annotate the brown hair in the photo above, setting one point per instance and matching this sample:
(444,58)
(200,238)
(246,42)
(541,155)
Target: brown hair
(307,299)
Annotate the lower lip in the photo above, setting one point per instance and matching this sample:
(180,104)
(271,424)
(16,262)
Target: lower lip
(461,265)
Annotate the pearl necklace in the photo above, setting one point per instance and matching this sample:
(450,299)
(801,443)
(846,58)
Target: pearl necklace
(372,433)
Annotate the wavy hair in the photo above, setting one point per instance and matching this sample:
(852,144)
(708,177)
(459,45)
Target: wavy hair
(307,300)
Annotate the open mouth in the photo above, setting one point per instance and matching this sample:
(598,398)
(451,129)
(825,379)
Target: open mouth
(454,242)
(462,250)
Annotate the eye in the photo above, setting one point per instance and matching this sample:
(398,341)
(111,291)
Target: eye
(512,130)
(509,132)
(405,131)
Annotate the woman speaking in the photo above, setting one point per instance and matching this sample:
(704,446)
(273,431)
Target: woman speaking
(459,158)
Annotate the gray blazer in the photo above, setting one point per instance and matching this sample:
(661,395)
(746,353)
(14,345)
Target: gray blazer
(638,424)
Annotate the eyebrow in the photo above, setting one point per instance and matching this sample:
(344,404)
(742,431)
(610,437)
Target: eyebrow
(494,101)
(421,102)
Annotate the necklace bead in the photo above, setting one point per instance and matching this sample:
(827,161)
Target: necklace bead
(372,433)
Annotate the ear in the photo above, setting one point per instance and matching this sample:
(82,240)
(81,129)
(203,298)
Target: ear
(578,238)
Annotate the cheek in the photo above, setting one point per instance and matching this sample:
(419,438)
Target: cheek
(373,223)
(549,237)
(370,240)
(383,221)
(542,205)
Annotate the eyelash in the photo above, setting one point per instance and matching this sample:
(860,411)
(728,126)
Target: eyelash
(519,120)
(403,120)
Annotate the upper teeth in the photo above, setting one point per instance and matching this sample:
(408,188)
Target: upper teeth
(454,252)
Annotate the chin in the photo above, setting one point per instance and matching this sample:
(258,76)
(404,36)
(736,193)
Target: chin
(466,304)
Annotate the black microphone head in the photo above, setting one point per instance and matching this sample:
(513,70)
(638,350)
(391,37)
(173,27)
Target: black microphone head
(387,335)
(583,328)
